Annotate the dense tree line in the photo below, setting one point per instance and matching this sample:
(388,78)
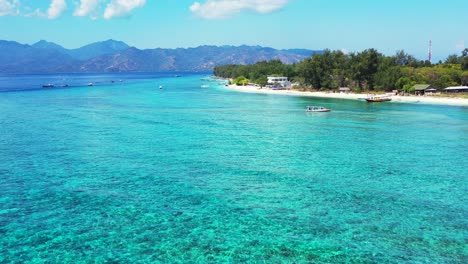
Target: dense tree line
(366,70)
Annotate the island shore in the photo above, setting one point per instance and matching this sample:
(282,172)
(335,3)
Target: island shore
(395,98)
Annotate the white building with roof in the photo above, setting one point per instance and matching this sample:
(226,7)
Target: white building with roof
(278,82)
(456,89)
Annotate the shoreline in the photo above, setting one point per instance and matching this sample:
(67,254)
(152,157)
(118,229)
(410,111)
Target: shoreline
(395,98)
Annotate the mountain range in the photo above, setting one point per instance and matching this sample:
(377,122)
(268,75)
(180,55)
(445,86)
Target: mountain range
(116,56)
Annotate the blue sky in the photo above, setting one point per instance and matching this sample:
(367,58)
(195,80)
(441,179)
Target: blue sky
(350,25)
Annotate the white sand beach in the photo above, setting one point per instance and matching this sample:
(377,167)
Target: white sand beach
(396,98)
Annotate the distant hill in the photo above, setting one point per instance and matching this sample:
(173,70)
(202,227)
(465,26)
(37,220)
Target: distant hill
(41,58)
(99,48)
(116,56)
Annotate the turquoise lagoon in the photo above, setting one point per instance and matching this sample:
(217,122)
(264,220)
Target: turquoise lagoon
(126,172)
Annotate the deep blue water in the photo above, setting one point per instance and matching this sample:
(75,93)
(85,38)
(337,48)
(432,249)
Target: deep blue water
(126,172)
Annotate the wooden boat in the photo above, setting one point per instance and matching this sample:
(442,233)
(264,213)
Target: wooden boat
(311,108)
(376,99)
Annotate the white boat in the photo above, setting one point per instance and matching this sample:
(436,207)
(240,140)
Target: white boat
(90,84)
(160,86)
(205,86)
(312,108)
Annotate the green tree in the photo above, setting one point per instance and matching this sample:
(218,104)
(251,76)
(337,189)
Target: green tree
(241,80)
(364,66)
(403,84)
(408,88)
(452,59)
(464,59)
(443,82)
(403,59)
(305,70)
(262,81)
(464,78)
(387,74)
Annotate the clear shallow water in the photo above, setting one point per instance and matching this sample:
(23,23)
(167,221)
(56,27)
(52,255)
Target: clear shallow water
(132,173)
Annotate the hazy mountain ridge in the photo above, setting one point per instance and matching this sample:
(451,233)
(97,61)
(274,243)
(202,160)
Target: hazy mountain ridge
(116,56)
(99,48)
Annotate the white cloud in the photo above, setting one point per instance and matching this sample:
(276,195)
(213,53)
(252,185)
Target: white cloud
(56,8)
(215,9)
(8,7)
(92,8)
(87,8)
(122,8)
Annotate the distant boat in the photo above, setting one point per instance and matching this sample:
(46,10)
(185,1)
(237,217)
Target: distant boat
(177,75)
(160,86)
(311,108)
(90,84)
(378,98)
(205,86)
(49,85)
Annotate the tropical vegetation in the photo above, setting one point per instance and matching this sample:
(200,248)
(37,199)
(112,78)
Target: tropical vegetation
(368,70)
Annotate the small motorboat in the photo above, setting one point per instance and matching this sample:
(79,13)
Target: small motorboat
(49,85)
(90,84)
(311,108)
(160,86)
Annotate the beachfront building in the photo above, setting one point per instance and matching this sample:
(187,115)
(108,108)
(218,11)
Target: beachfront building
(456,89)
(344,90)
(278,82)
(420,89)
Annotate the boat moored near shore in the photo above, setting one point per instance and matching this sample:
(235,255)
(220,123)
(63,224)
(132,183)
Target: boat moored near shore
(311,108)
(378,98)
